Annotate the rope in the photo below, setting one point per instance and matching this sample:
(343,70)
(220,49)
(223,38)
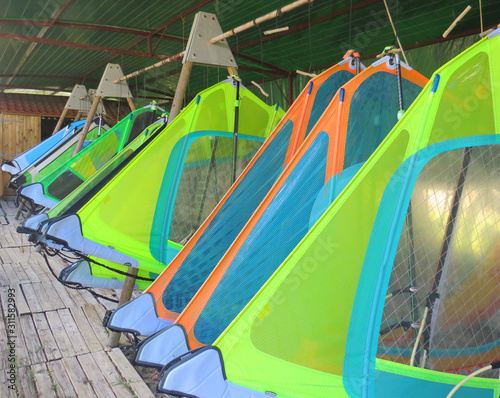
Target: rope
(84,257)
(394,29)
(75,285)
(116,270)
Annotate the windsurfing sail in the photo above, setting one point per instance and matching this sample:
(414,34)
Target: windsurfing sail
(355,122)
(24,160)
(55,186)
(180,177)
(84,192)
(326,323)
(57,155)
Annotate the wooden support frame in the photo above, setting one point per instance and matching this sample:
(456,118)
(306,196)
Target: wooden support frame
(106,88)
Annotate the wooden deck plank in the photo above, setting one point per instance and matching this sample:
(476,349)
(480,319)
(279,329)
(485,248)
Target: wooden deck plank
(4,279)
(4,348)
(31,298)
(95,321)
(43,382)
(63,294)
(42,297)
(111,374)
(63,342)
(40,268)
(130,374)
(32,341)
(11,273)
(73,332)
(59,339)
(77,297)
(91,339)
(8,238)
(21,274)
(99,383)
(14,333)
(26,377)
(78,378)
(12,253)
(5,391)
(53,296)
(30,272)
(21,304)
(63,386)
(47,340)
(18,297)
(88,297)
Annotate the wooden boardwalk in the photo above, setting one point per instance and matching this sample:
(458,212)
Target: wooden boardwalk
(60,343)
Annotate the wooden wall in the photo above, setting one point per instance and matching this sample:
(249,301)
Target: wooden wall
(17,134)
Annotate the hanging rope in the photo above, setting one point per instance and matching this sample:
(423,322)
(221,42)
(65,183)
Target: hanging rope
(394,30)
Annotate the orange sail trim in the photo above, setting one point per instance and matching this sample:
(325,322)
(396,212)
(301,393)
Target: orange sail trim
(335,162)
(307,102)
(299,114)
(336,111)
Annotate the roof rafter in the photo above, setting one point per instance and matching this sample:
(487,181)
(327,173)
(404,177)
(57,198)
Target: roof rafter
(54,77)
(75,25)
(90,47)
(157,30)
(43,31)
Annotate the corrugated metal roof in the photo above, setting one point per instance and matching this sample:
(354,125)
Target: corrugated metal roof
(318,37)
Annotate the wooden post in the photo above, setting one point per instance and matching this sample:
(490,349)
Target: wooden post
(60,121)
(180,91)
(19,209)
(131,103)
(232,71)
(78,116)
(128,287)
(87,124)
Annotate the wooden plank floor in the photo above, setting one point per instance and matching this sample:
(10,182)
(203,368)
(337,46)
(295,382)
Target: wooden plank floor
(60,343)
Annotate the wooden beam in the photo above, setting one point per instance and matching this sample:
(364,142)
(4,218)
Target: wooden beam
(86,126)
(60,121)
(120,51)
(180,91)
(131,104)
